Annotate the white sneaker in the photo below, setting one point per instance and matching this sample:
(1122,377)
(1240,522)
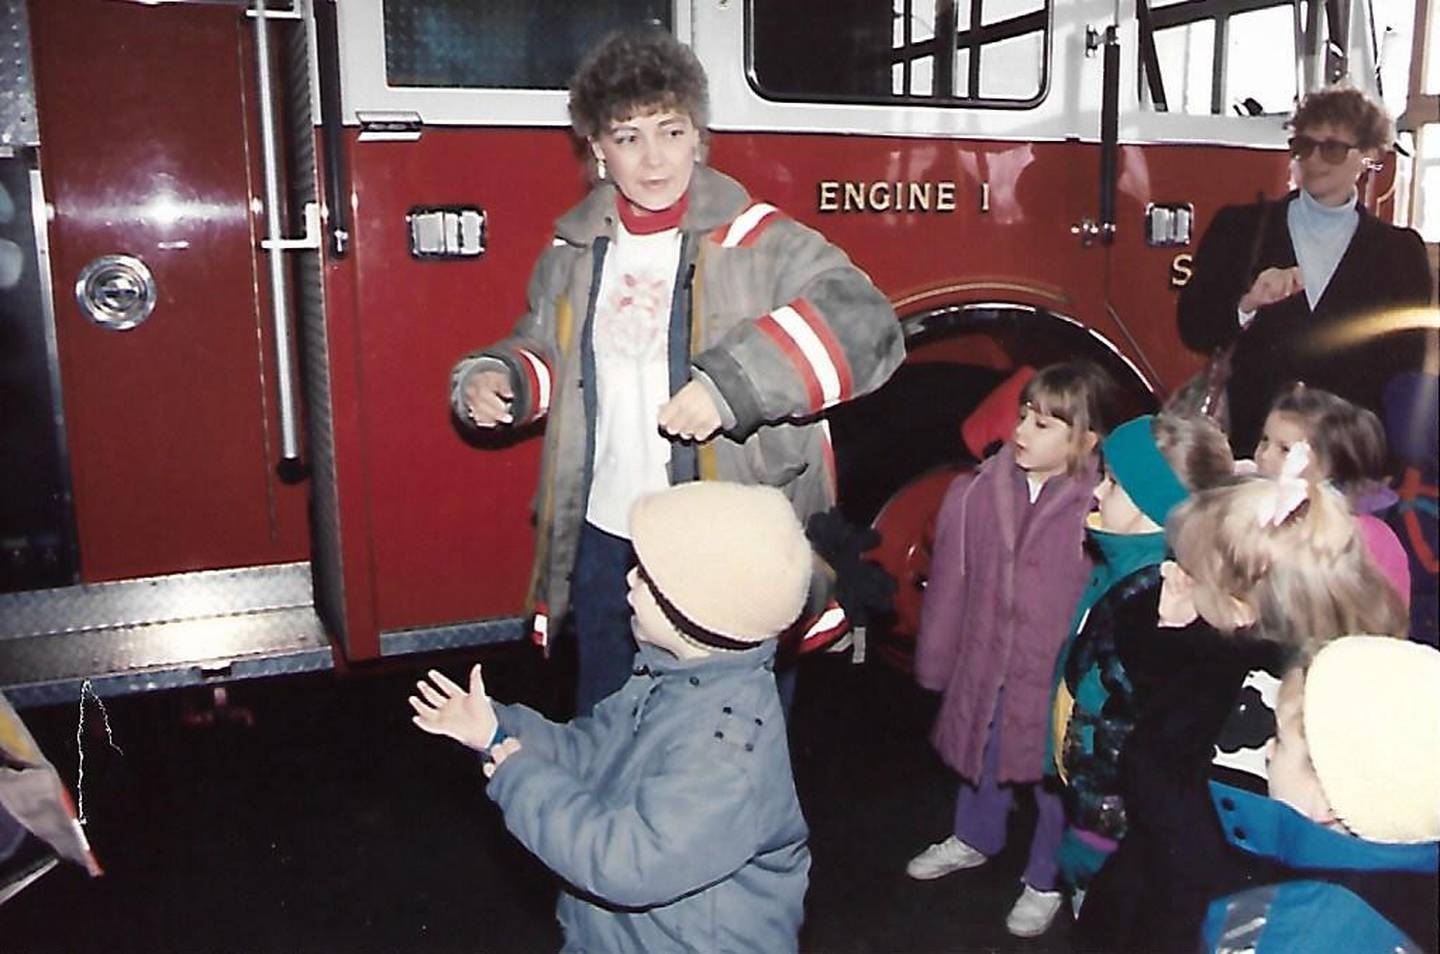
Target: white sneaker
(1077,898)
(943,857)
(1033,912)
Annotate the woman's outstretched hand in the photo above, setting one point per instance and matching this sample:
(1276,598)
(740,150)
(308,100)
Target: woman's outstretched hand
(487,398)
(691,415)
(443,708)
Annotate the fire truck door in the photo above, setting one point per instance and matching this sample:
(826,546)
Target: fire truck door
(149,156)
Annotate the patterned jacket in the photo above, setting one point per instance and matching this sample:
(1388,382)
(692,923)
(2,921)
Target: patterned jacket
(1094,706)
(780,322)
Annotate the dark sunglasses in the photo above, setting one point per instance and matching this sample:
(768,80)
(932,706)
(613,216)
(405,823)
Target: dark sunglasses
(1332,151)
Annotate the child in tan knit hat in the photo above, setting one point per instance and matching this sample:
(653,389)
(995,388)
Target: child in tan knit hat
(671,810)
(1354,808)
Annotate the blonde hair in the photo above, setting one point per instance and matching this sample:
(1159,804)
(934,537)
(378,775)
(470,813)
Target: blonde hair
(1195,448)
(1081,394)
(1309,577)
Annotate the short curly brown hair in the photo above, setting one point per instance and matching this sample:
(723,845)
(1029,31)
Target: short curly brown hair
(635,71)
(1349,108)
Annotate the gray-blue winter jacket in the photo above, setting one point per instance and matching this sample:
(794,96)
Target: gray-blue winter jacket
(670,811)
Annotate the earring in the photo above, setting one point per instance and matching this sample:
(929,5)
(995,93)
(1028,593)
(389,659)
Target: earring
(600,171)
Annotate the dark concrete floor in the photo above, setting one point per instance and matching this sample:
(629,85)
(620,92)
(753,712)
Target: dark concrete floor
(331,824)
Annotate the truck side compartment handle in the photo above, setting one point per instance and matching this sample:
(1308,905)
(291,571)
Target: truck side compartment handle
(289,468)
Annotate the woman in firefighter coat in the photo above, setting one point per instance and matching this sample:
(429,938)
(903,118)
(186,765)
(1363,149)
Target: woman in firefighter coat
(677,330)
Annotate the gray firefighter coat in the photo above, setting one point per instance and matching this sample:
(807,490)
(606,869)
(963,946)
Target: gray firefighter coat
(779,321)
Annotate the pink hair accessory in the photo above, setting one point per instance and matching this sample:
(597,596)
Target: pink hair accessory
(1290,488)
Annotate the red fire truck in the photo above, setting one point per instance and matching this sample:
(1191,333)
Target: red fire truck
(245,242)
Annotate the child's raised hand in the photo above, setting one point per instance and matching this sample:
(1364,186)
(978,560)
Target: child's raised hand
(445,709)
(1177,596)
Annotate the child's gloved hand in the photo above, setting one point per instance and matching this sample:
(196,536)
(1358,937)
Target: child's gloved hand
(862,587)
(446,709)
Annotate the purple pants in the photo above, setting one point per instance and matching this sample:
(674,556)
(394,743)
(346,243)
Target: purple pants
(982,809)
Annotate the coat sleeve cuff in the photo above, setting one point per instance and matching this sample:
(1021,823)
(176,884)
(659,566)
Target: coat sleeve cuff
(723,373)
(727,416)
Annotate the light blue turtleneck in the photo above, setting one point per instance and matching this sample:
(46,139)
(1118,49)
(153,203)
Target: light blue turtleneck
(1320,233)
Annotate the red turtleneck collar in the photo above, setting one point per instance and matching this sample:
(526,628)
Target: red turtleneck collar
(648,223)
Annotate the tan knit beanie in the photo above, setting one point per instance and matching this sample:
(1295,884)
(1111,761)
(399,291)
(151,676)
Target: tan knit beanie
(1372,723)
(725,560)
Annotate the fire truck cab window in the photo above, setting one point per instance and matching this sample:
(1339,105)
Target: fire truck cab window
(1220,57)
(937,52)
(501,44)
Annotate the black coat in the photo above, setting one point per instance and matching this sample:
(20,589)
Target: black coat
(1383,267)
(1153,892)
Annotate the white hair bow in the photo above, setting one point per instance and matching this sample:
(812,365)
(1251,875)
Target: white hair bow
(1290,488)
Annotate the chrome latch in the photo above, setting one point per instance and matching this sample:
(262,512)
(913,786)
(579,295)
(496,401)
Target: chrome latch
(389,125)
(1169,224)
(116,291)
(446,232)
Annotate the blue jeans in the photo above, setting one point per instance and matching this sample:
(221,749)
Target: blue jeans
(605,647)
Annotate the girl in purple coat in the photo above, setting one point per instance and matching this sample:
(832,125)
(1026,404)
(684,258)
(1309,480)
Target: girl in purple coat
(1008,567)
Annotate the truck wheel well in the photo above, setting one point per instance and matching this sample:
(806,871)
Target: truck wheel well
(956,355)
(897,450)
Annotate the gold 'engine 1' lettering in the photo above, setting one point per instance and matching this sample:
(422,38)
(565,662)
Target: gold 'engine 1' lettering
(882,196)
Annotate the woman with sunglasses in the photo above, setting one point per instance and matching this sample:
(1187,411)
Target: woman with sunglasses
(1321,263)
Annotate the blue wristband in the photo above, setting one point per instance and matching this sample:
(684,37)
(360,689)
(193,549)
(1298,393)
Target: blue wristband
(500,736)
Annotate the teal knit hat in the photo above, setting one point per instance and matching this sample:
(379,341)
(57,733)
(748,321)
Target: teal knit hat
(1140,468)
